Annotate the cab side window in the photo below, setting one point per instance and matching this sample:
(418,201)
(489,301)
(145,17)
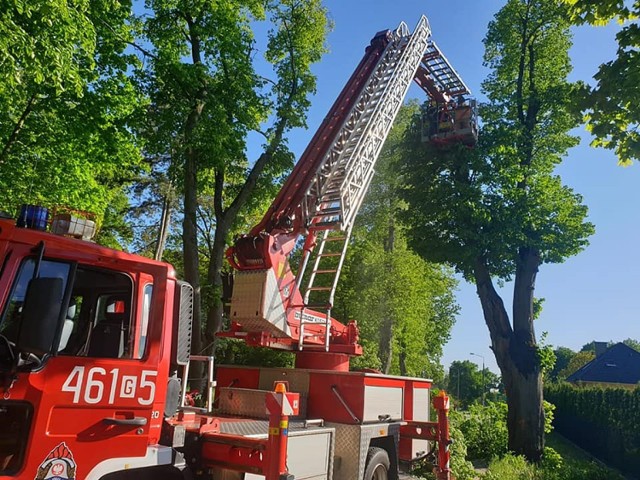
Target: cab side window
(11,319)
(99,315)
(97,321)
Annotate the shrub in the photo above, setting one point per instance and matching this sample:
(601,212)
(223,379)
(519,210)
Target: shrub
(510,467)
(603,421)
(461,469)
(551,460)
(485,430)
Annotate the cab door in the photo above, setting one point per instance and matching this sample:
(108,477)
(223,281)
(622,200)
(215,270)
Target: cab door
(98,409)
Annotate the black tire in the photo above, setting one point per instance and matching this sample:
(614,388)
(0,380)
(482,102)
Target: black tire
(377,467)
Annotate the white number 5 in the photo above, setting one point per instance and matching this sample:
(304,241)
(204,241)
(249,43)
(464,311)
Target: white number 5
(150,384)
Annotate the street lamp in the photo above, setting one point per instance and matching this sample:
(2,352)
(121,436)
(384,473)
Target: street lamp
(483,385)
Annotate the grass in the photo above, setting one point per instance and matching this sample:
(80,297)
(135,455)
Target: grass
(567,450)
(564,462)
(572,454)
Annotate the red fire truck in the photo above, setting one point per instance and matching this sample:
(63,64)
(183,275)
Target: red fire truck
(95,343)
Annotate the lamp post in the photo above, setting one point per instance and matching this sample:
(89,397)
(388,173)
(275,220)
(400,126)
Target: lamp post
(483,385)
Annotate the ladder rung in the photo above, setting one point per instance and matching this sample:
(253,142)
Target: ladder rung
(336,254)
(314,347)
(322,272)
(335,239)
(328,211)
(314,306)
(319,226)
(318,289)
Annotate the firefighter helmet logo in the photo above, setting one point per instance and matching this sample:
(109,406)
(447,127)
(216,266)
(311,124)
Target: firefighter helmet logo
(59,465)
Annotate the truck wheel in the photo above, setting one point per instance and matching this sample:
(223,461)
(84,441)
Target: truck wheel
(377,464)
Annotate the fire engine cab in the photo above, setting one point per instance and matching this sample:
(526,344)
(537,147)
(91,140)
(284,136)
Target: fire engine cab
(95,343)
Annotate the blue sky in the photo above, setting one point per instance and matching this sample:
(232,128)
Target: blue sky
(589,297)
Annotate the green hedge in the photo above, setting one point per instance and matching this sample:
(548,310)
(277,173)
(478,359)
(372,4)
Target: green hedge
(603,421)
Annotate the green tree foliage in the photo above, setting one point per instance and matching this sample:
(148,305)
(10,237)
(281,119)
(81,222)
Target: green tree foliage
(213,81)
(465,382)
(563,357)
(404,306)
(67,105)
(576,362)
(611,107)
(629,342)
(498,211)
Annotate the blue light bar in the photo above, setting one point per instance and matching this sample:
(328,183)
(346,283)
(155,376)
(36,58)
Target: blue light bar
(33,216)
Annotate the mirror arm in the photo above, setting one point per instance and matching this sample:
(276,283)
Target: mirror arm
(73,267)
(39,250)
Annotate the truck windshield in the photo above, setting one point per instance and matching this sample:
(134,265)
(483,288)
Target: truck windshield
(12,315)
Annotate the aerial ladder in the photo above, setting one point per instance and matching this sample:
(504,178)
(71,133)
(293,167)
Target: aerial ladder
(316,207)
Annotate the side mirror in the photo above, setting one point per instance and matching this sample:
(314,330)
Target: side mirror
(40,315)
(182,320)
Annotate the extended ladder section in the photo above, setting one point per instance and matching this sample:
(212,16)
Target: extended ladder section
(347,168)
(436,74)
(344,175)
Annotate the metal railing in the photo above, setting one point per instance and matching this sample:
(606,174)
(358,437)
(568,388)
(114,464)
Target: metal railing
(211,383)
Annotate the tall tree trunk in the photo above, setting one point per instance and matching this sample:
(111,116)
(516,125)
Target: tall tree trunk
(386,333)
(402,358)
(516,354)
(525,419)
(189,224)
(216,307)
(191,256)
(163,232)
(386,344)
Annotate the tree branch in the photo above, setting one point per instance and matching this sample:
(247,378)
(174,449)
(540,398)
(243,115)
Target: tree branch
(495,314)
(16,129)
(217,193)
(274,143)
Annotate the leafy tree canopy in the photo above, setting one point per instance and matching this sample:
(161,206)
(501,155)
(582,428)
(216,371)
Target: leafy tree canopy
(67,104)
(576,362)
(465,382)
(630,342)
(611,107)
(563,357)
(498,211)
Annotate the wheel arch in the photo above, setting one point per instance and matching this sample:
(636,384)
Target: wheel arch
(388,444)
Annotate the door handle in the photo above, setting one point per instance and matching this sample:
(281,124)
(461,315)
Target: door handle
(131,422)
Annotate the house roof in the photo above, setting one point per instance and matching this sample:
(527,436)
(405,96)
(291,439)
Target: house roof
(618,364)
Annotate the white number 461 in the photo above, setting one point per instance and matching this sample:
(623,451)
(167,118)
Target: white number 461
(97,382)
